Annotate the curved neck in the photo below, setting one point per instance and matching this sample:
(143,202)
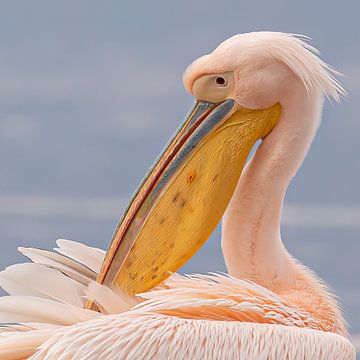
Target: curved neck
(251,238)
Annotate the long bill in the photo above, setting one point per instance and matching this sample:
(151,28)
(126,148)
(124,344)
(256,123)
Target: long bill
(184,195)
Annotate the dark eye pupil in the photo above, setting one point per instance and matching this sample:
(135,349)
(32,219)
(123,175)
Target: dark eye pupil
(220,80)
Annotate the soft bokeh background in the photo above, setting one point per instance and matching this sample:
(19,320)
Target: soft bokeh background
(90,91)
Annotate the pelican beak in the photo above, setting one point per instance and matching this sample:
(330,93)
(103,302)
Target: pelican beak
(184,195)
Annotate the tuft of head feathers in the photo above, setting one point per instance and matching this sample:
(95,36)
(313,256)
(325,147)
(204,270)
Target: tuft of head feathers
(290,49)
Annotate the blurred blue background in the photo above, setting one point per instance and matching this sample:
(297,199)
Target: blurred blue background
(90,92)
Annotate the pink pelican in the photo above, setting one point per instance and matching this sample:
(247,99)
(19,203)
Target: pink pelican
(79,303)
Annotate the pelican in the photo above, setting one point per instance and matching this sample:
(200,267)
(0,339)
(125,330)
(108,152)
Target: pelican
(78,302)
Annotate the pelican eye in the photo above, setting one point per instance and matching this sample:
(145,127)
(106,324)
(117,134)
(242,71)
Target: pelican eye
(220,81)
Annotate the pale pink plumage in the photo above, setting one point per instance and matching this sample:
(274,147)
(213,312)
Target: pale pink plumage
(270,307)
(233,317)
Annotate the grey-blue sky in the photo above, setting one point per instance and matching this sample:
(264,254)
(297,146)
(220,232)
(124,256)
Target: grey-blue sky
(90,91)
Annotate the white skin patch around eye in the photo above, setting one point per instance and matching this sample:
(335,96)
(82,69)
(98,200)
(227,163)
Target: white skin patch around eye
(214,87)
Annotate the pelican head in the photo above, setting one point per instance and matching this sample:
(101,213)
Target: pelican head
(241,90)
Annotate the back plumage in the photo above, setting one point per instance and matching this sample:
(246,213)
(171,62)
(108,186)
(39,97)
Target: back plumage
(43,316)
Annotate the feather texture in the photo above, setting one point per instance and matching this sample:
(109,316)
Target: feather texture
(143,336)
(86,255)
(25,309)
(22,344)
(168,320)
(70,267)
(221,297)
(110,301)
(42,281)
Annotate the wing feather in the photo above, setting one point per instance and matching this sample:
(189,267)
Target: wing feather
(42,281)
(23,345)
(89,256)
(29,309)
(68,266)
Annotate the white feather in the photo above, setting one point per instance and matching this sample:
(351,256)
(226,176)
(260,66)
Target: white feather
(11,329)
(109,301)
(24,309)
(66,265)
(39,280)
(86,255)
